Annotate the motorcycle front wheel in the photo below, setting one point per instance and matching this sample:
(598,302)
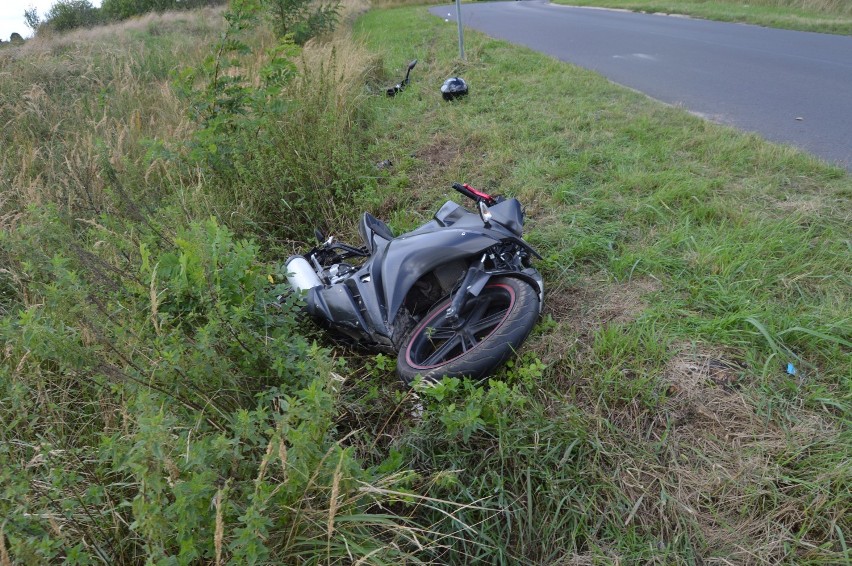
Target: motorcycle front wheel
(490,329)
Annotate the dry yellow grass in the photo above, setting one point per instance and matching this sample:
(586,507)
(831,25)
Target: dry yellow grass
(73,103)
(82,109)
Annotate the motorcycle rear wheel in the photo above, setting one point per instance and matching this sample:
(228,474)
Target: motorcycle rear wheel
(491,327)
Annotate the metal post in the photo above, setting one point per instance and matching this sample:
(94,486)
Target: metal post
(461,33)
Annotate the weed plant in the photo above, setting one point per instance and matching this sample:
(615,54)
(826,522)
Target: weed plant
(158,407)
(275,143)
(303,19)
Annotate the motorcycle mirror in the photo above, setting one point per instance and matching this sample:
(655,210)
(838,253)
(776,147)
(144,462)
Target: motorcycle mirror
(318,234)
(485,214)
(396,89)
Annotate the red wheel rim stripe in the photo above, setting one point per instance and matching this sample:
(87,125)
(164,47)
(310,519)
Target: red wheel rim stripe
(441,310)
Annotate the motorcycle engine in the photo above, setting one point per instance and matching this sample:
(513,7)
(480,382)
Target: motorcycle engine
(340,272)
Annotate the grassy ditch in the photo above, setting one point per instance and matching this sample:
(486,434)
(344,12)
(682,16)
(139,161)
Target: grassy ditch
(825,16)
(687,264)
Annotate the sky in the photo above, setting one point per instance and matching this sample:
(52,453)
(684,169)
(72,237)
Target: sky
(12,15)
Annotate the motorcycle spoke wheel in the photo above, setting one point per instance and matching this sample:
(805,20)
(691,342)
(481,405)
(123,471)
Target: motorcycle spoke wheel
(438,342)
(489,331)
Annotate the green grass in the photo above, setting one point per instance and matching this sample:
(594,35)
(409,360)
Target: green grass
(825,16)
(687,264)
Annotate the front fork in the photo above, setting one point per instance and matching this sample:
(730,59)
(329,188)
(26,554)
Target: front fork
(474,281)
(477,277)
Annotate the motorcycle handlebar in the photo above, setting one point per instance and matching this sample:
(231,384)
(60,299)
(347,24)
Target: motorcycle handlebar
(463,190)
(473,194)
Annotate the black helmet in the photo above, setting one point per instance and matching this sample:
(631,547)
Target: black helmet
(453,87)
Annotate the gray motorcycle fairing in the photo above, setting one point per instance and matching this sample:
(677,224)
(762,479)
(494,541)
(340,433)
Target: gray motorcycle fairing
(410,257)
(366,306)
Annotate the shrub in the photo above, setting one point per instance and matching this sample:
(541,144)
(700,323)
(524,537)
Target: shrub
(277,149)
(123,9)
(66,15)
(32,19)
(303,19)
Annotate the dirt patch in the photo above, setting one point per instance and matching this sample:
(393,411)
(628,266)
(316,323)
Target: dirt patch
(707,460)
(702,393)
(590,303)
(722,455)
(443,161)
(441,152)
(623,302)
(694,370)
(581,308)
(804,206)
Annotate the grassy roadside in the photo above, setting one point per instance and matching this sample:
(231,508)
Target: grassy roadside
(817,16)
(687,264)
(155,408)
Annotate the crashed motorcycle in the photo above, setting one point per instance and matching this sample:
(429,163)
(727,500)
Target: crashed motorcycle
(455,297)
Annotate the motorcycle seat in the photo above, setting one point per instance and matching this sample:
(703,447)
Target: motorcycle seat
(371,226)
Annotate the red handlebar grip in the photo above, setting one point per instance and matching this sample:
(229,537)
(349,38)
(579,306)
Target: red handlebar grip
(484,196)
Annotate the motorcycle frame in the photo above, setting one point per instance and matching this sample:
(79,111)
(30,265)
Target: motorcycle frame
(368,304)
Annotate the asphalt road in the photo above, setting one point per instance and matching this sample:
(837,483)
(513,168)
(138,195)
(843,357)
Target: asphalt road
(791,87)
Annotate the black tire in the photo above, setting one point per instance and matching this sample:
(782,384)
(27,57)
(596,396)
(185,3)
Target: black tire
(493,326)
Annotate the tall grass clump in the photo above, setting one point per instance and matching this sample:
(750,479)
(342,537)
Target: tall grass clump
(158,405)
(91,102)
(252,128)
(66,15)
(123,9)
(277,144)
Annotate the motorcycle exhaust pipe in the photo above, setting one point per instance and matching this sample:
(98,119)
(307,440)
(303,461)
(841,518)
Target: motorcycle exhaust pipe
(301,275)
